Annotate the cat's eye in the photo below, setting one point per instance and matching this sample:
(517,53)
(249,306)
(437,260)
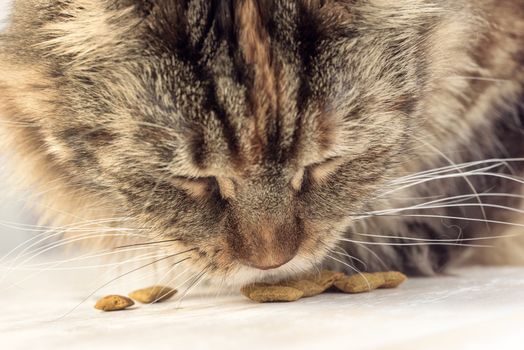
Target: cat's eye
(297,180)
(201,187)
(227,187)
(320,173)
(195,187)
(317,173)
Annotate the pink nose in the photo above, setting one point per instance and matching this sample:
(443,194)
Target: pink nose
(266,245)
(267,251)
(268,261)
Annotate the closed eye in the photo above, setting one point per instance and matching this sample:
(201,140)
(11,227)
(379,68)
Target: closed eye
(203,186)
(317,173)
(195,187)
(321,172)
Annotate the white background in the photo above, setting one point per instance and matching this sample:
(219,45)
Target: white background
(13,207)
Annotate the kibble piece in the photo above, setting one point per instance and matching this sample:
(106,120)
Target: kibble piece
(316,283)
(268,293)
(247,290)
(393,279)
(308,288)
(324,278)
(360,283)
(114,303)
(154,294)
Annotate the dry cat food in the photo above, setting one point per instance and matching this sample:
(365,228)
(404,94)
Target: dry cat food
(263,293)
(114,303)
(308,288)
(324,278)
(314,284)
(360,283)
(393,279)
(154,294)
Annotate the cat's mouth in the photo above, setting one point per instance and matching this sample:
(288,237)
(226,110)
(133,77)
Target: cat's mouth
(273,253)
(247,274)
(268,263)
(284,262)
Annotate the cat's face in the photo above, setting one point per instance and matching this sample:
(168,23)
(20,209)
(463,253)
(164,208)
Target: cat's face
(249,130)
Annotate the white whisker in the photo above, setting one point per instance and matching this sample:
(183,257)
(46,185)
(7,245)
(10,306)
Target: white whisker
(352,268)
(417,244)
(427,240)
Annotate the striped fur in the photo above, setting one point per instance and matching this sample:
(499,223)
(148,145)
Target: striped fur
(256,129)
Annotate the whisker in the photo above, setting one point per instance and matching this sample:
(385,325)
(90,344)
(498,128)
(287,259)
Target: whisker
(416,244)
(193,284)
(87,256)
(31,255)
(176,276)
(430,216)
(461,205)
(147,243)
(346,254)
(84,267)
(464,177)
(48,235)
(126,274)
(19,124)
(68,241)
(113,267)
(488,79)
(375,255)
(352,268)
(500,161)
(430,240)
(169,271)
(439,175)
(147,256)
(451,176)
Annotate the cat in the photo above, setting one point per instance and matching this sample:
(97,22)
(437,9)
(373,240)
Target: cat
(255,139)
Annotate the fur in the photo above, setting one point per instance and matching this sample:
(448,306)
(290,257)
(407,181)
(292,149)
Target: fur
(260,133)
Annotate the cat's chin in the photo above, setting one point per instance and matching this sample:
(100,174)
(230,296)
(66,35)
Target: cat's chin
(244,275)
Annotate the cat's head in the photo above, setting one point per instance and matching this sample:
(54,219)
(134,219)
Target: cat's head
(248,130)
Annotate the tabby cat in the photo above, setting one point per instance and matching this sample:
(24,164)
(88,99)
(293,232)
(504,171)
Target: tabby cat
(254,139)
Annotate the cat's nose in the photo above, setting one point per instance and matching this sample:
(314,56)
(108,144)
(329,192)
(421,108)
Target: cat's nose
(269,260)
(267,246)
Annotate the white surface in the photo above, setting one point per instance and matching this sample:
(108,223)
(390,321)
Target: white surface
(12,205)
(471,309)
(4,11)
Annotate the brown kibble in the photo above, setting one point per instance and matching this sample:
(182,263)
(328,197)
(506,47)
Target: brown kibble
(154,294)
(308,288)
(393,279)
(263,293)
(247,290)
(360,283)
(324,278)
(316,283)
(275,293)
(114,303)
